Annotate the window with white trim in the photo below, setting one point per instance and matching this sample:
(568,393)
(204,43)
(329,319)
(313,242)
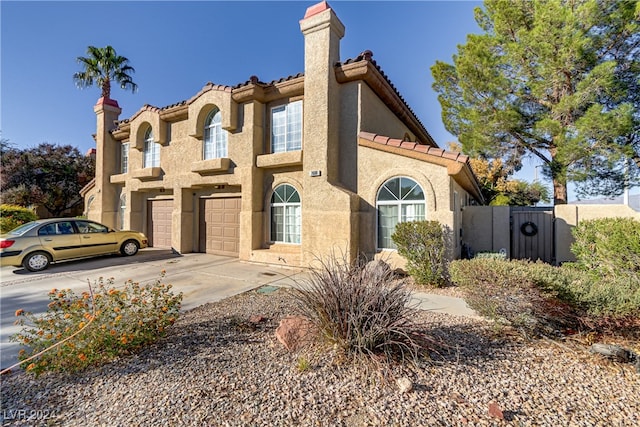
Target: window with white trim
(286,127)
(121,210)
(151,151)
(400,199)
(124,158)
(215,138)
(285,215)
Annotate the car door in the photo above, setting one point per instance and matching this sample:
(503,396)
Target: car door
(61,240)
(96,239)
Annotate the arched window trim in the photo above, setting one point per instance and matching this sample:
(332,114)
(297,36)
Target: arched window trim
(407,208)
(286,215)
(215,143)
(151,156)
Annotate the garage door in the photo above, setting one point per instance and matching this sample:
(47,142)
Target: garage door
(159,220)
(220,226)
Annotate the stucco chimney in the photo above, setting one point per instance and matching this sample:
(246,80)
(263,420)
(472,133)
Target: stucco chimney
(107,155)
(322,32)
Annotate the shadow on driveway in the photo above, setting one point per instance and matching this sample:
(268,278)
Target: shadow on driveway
(94,263)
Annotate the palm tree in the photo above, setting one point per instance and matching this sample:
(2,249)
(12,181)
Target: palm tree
(101,66)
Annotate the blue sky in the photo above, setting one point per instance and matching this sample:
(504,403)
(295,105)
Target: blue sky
(177,47)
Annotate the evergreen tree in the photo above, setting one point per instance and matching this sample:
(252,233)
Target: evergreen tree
(556,79)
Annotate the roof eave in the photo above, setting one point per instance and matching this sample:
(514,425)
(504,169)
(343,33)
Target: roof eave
(458,166)
(369,73)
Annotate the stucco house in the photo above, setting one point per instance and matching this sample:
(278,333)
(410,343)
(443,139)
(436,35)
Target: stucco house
(281,172)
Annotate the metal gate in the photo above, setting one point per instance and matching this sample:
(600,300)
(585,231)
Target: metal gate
(532,234)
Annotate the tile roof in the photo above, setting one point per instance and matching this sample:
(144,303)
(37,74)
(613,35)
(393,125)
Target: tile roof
(367,56)
(254,80)
(149,107)
(457,164)
(414,146)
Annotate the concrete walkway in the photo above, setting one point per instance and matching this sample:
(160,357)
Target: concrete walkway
(202,278)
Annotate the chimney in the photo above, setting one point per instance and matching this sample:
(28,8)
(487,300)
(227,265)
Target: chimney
(107,152)
(322,32)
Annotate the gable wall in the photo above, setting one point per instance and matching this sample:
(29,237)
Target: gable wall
(375,167)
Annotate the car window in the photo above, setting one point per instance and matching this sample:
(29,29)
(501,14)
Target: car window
(23,228)
(90,227)
(56,228)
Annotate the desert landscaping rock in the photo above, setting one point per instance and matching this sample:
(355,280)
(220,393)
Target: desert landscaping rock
(211,370)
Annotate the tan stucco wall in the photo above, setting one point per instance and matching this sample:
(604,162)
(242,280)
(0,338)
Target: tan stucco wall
(376,118)
(487,228)
(105,204)
(568,216)
(376,167)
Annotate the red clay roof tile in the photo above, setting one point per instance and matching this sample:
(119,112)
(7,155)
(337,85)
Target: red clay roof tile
(413,146)
(395,142)
(408,145)
(421,148)
(381,139)
(367,135)
(450,155)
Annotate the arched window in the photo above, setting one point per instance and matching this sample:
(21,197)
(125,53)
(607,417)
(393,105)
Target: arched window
(89,203)
(285,215)
(399,199)
(215,138)
(151,151)
(122,208)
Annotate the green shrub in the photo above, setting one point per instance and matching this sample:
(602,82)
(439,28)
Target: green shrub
(112,323)
(615,296)
(608,252)
(362,309)
(424,245)
(531,297)
(608,246)
(11,216)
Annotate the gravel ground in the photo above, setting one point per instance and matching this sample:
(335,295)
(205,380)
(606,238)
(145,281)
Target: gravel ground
(215,369)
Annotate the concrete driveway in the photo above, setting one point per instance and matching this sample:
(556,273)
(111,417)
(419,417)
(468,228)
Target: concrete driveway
(201,278)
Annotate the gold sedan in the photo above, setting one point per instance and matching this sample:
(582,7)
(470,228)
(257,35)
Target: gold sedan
(37,244)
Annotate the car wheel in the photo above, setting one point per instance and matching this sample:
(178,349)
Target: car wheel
(129,248)
(36,261)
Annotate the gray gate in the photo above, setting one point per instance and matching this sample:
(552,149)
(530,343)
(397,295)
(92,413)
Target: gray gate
(532,233)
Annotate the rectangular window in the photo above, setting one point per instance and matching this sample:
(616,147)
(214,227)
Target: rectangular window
(292,221)
(151,154)
(286,127)
(412,212)
(124,158)
(389,215)
(387,220)
(277,224)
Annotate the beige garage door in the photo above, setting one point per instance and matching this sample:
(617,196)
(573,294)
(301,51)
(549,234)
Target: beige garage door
(220,226)
(159,223)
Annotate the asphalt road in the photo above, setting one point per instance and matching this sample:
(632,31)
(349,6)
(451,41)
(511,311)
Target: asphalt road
(201,278)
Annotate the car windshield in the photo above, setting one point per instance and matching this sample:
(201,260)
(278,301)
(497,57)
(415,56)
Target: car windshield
(20,230)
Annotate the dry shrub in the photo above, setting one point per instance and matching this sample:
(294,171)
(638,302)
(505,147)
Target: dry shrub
(361,308)
(528,296)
